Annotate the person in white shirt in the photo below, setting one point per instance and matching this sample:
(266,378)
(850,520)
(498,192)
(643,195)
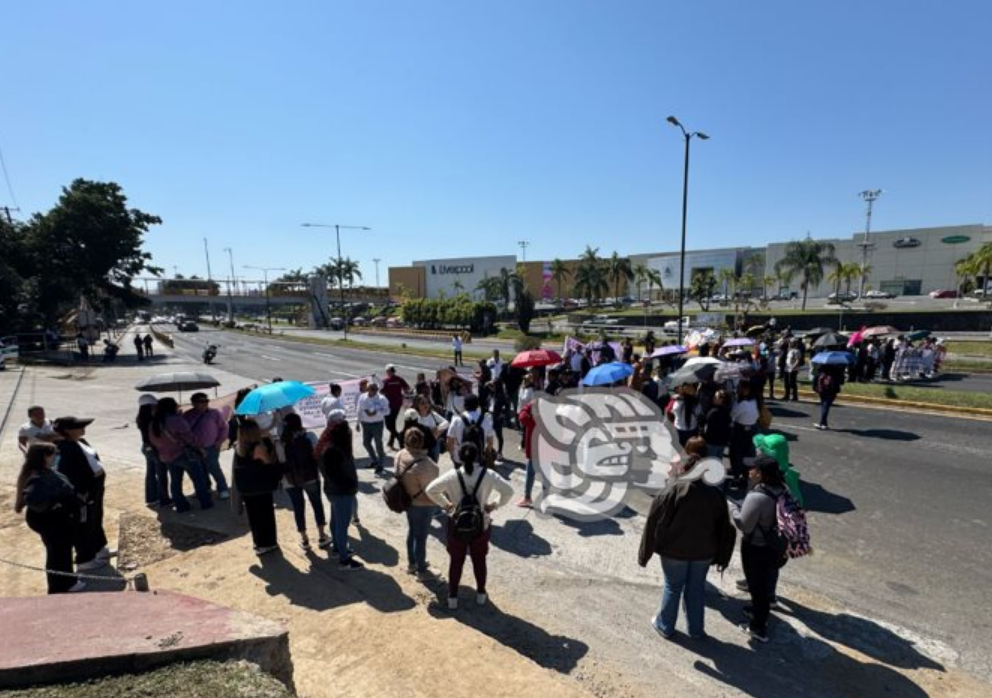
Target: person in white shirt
(332,401)
(372,411)
(575,361)
(744,418)
(36,430)
(684,408)
(496,366)
(447,491)
(473,414)
(433,422)
(793,359)
(456,348)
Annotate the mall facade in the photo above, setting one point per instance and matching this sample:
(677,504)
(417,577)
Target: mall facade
(902,262)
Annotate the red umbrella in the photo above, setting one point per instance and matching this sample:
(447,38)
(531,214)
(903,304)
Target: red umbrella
(536,357)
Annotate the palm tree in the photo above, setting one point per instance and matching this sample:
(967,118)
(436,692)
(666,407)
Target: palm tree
(766,281)
(510,285)
(978,263)
(640,276)
(350,271)
(590,276)
(727,277)
(806,259)
(837,275)
(490,288)
(559,272)
(653,277)
(852,271)
(619,270)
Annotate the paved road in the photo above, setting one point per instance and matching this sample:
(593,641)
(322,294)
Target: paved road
(900,513)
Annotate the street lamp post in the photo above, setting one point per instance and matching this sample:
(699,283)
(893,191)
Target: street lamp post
(337,231)
(376,261)
(524,244)
(685,202)
(210,278)
(230,283)
(265,275)
(869,195)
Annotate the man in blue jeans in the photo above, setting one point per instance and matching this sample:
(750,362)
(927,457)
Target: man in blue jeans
(210,430)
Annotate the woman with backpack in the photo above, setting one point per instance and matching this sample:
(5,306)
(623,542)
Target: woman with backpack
(415,470)
(256,476)
(52,513)
(465,493)
(827,385)
(689,528)
(302,478)
(757,520)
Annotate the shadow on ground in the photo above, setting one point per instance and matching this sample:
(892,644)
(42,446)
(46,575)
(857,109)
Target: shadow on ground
(886,434)
(818,499)
(517,536)
(554,652)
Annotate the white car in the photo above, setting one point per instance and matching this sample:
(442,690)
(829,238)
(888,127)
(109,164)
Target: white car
(879,294)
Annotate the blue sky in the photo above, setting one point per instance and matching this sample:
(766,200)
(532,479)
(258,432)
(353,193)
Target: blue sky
(458,128)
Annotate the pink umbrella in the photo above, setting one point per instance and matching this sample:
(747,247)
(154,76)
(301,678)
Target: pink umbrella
(536,357)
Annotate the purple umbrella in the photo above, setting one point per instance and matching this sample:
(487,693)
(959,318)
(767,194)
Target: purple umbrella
(668,351)
(739,342)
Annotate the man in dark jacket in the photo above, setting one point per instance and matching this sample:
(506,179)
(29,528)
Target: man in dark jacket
(689,527)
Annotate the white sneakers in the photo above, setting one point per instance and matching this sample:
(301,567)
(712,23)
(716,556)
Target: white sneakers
(480,600)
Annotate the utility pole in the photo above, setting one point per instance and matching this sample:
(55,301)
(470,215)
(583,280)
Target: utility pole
(230,283)
(337,232)
(265,275)
(7,210)
(869,195)
(210,276)
(523,249)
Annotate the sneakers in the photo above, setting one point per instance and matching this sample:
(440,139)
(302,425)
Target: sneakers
(94,564)
(775,605)
(480,599)
(411,569)
(425,575)
(666,636)
(106,553)
(265,550)
(324,542)
(821,427)
(525,503)
(77,587)
(304,543)
(226,494)
(761,636)
(452,603)
(741,585)
(350,564)
(356,521)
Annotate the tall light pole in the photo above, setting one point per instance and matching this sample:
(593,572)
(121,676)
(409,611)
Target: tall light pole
(869,195)
(376,261)
(337,231)
(265,274)
(524,244)
(210,277)
(685,204)
(230,283)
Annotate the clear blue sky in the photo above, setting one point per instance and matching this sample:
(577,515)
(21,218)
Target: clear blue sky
(457,128)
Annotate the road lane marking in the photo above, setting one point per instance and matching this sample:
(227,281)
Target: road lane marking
(270,358)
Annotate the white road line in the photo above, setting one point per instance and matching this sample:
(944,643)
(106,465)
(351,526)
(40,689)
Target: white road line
(270,358)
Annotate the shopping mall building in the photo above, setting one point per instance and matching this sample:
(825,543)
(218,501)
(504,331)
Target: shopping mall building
(903,262)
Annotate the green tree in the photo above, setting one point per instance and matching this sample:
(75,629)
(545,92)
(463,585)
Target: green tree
(525,310)
(978,263)
(806,259)
(559,272)
(490,288)
(766,281)
(511,285)
(852,272)
(837,275)
(619,270)
(701,289)
(653,277)
(15,263)
(728,279)
(89,244)
(591,276)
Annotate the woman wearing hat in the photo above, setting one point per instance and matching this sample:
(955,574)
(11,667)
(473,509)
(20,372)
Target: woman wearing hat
(156,472)
(81,465)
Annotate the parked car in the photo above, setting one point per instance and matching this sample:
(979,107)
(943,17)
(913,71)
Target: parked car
(359,321)
(378,322)
(394,322)
(601,320)
(842,297)
(879,294)
(672,326)
(943,293)
(336,323)
(188,326)
(720,298)
(785,296)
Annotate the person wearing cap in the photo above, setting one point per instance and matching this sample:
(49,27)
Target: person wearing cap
(81,465)
(36,430)
(372,411)
(756,519)
(156,472)
(394,389)
(178,449)
(210,431)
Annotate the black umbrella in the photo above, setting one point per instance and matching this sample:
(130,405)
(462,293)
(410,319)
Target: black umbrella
(177,382)
(817,331)
(692,374)
(831,339)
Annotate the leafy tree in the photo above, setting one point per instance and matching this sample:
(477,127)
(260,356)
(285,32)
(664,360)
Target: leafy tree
(619,270)
(653,277)
(806,259)
(978,263)
(837,275)
(13,264)
(728,278)
(701,289)
(490,288)
(591,276)
(559,272)
(90,242)
(766,281)
(853,271)
(511,285)
(525,310)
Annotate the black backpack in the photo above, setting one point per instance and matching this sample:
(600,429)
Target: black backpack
(395,494)
(468,521)
(474,433)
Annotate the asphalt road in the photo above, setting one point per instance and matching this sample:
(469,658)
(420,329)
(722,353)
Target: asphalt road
(899,506)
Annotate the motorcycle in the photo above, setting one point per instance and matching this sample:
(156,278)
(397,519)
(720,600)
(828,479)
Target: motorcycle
(209,354)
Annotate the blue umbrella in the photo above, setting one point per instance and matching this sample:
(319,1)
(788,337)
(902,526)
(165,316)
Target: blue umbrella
(605,374)
(274,396)
(833,358)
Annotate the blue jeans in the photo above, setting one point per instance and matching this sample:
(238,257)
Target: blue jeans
(418,519)
(179,467)
(826,402)
(529,477)
(372,435)
(683,578)
(715,451)
(341,512)
(312,490)
(212,462)
(156,477)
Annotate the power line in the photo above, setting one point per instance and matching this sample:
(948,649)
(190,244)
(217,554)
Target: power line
(6,176)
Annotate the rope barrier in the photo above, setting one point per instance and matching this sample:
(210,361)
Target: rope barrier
(128,581)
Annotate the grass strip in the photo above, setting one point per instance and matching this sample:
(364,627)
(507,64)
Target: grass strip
(970,348)
(193,680)
(909,393)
